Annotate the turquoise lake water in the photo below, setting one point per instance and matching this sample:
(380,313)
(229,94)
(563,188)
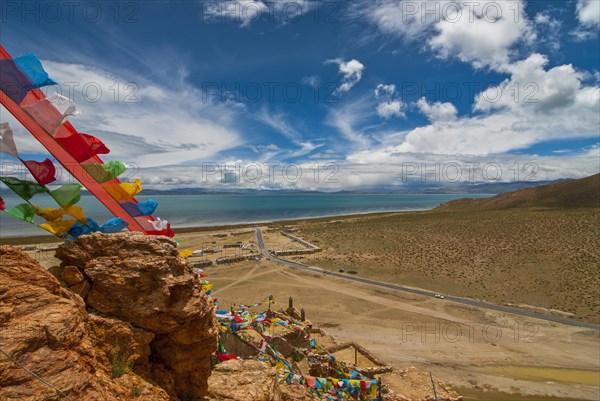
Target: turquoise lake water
(214,210)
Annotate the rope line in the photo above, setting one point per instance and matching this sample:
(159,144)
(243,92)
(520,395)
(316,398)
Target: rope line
(34,375)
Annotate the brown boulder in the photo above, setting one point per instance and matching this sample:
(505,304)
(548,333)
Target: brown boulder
(81,289)
(44,328)
(141,280)
(71,275)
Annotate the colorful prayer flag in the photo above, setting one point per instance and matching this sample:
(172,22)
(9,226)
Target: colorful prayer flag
(124,191)
(7,142)
(43,172)
(67,195)
(59,226)
(24,211)
(22,74)
(25,189)
(82,146)
(113,226)
(105,172)
(140,209)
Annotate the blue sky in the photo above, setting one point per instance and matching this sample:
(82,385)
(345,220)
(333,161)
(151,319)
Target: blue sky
(365,93)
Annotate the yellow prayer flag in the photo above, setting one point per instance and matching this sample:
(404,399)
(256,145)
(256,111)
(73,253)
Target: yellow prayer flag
(186,253)
(59,226)
(124,191)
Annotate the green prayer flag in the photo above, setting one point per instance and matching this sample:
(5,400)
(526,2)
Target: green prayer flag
(24,211)
(25,189)
(67,195)
(105,172)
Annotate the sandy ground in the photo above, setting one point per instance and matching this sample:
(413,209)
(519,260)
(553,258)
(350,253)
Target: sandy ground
(485,355)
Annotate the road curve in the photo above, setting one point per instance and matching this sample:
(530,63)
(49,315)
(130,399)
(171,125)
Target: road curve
(550,318)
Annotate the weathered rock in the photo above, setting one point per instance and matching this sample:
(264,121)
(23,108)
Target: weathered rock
(114,337)
(244,380)
(81,289)
(56,271)
(249,380)
(71,275)
(45,329)
(141,280)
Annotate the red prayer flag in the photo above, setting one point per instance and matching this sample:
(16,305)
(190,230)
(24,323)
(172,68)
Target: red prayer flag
(2,205)
(82,146)
(226,357)
(43,172)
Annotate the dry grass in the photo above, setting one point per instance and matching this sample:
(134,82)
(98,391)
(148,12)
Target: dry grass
(542,257)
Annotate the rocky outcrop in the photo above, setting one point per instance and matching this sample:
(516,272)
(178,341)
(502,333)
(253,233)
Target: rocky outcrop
(248,380)
(141,280)
(140,327)
(244,380)
(45,329)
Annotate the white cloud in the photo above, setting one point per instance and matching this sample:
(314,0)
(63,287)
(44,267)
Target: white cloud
(437,112)
(389,104)
(383,90)
(143,123)
(481,33)
(352,71)
(531,86)
(390,109)
(588,12)
(534,105)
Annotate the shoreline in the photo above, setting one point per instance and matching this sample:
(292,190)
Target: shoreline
(29,239)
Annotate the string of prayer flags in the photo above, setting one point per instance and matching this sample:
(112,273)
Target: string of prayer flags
(25,189)
(67,195)
(105,172)
(22,74)
(44,117)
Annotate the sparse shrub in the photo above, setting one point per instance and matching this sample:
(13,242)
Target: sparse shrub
(120,361)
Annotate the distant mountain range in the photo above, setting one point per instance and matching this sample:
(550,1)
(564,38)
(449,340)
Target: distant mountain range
(408,188)
(584,192)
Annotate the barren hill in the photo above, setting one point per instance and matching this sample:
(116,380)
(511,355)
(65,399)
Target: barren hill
(584,192)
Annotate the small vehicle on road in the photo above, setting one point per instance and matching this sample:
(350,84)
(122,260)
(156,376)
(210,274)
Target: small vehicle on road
(439,296)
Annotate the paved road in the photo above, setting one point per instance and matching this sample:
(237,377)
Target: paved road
(523,312)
